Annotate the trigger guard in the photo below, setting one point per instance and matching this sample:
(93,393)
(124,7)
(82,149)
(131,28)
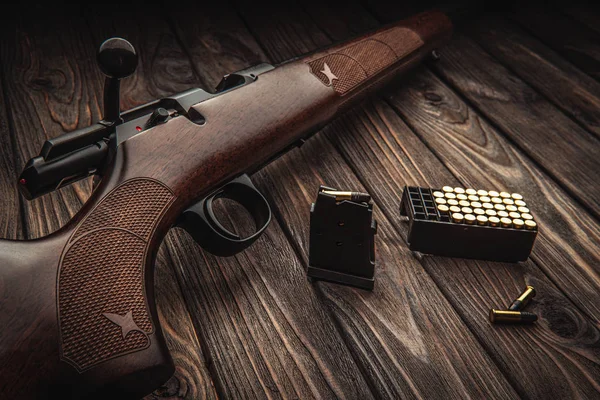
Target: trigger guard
(202,224)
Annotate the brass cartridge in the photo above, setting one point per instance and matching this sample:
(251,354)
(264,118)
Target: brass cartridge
(524,298)
(511,317)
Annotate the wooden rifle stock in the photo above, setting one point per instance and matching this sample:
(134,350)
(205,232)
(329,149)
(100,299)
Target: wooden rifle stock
(77,307)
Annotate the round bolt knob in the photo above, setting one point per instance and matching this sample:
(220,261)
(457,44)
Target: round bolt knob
(117,58)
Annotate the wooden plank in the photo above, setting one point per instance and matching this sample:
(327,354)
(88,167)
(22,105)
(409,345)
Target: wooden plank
(576,42)
(571,239)
(50,92)
(400,332)
(55,86)
(560,146)
(379,326)
(191,380)
(574,92)
(11,226)
(567,245)
(264,328)
(386,155)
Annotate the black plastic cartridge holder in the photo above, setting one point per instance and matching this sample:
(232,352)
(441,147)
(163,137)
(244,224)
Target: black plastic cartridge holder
(434,228)
(342,238)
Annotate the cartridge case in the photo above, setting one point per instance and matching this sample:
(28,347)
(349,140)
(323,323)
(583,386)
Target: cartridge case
(530,224)
(520,302)
(443,209)
(511,317)
(518,223)
(352,196)
(458,218)
(470,219)
(482,220)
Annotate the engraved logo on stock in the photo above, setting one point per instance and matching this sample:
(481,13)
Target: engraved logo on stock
(126,322)
(327,72)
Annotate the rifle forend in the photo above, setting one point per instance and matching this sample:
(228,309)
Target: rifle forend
(78,310)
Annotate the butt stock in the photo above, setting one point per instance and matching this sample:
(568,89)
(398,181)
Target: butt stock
(77,307)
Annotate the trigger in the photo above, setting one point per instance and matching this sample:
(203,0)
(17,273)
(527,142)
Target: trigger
(202,224)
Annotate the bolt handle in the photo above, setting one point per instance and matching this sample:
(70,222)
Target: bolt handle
(117,59)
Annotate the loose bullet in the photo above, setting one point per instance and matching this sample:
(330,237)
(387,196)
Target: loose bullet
(512,317)
(352,196)
(523,299)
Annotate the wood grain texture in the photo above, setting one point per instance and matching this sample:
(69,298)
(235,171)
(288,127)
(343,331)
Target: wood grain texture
(471,149)
(574,41)
(571,90)
(265,332)
(216,41)
(191,380)
(554,141)
(51,92)
(57,87)
(379,325)
(386,155)
(11,226)
(404,324)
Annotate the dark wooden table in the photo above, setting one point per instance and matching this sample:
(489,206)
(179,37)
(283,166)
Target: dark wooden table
(513,104)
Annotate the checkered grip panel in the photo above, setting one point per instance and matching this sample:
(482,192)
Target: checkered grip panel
(103,312)
(347,68)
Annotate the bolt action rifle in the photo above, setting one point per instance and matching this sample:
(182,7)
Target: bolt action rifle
(77,307)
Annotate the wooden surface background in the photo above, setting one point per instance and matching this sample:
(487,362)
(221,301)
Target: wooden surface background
(513,104)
